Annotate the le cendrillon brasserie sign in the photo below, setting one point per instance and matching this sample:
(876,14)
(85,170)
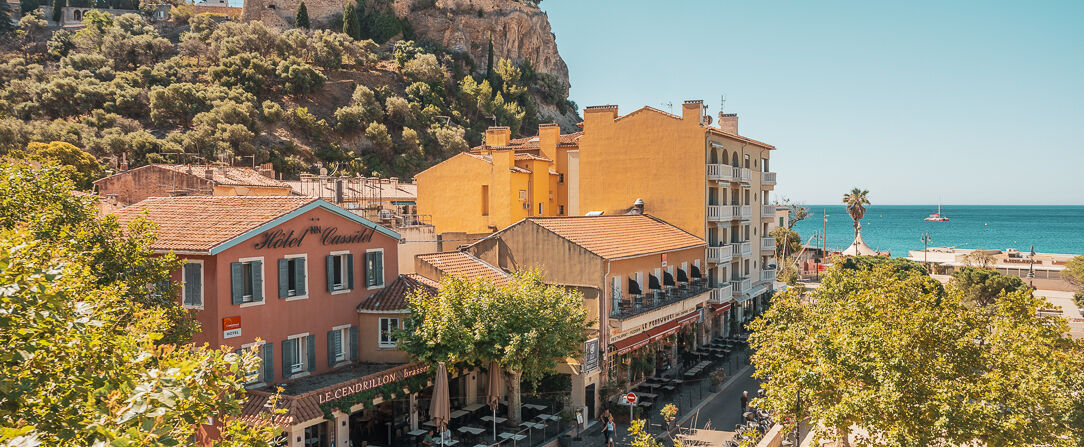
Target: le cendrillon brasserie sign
(279,238)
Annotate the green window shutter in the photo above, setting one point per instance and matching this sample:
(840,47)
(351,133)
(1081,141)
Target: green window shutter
(299,275)
(287,355)
(268,362)
(257,281)
(193,289)
(330,274)
(350,271)
(379,262)
(235,282)
(331,348)
(284,277)
(312,352)
(353,355)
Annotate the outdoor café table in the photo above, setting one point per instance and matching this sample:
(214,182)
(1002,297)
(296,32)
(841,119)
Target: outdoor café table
(417,432)
(668,388)
(514,436)
(549,417)
(471,430)
(458,414)
(429,424)
(647,395)
(498,419)
(473,407)
(535,406)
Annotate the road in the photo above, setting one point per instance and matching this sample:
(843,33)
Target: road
(723,412)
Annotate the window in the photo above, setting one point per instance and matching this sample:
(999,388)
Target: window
(523,194)
(387,335)
(560,210)
(192,292)
(485,200)
(746,162)
(298,354)
(560,178)
(246,276)
(265,372)
(539,208)
(340,272)
(292,277)
(338,340)
(374,269)
(780,221)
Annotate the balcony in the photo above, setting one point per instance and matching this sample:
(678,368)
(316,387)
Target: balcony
(767,275)
(745,174)
(720,213)
(767,243)
(767,178)
(767,211)
(720,254)
(743,249)
(634,310)
(741,285)
(746,212)
(722,293)
(723,173)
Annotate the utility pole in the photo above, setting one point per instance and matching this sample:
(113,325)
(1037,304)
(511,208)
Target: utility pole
(1031,268)
(925,244)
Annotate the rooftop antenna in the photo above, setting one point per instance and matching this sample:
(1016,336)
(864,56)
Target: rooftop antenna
(669,106)
(722,103)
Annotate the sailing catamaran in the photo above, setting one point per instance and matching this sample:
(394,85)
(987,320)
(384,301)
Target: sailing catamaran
(937,217)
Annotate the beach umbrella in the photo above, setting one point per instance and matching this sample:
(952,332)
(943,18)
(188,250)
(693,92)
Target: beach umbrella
(494,392)
(440,407)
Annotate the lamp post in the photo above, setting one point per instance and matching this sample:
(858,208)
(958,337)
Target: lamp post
(925,245)
(1031,268)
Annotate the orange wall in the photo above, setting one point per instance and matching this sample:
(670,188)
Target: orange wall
(369,339)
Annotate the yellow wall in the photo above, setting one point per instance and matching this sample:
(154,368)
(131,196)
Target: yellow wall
(451,192)
(646,154)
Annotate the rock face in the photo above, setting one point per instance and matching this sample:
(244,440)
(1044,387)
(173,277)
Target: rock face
(520,31)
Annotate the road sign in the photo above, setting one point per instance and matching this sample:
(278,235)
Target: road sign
(632,398)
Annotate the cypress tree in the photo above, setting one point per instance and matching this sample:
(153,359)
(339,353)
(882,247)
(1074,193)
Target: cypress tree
(351,25)
(489,61)
(58,11)
(302,19)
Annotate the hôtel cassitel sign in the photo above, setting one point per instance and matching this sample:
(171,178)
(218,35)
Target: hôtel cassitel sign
(279,238)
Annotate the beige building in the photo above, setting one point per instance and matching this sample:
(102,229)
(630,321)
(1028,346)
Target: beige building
(166,180)
(706,179)
(1046,268)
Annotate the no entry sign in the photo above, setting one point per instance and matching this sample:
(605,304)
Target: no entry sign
(632,398)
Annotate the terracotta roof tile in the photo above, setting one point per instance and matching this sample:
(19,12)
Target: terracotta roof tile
(620,236)
(394,297)
(464,265)
(522,156)
(529,143)
(228,175)
(199,223)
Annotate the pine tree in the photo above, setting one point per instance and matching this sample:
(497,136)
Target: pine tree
(351,25)
(58,10)
(7,22)
(302,19)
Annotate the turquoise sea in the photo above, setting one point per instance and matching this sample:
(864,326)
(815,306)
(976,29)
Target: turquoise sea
(899,228)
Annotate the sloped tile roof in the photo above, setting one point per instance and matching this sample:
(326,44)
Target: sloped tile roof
(394,297)
(620,236)
(464,265)
(199,223)
(529,143)
(227,175)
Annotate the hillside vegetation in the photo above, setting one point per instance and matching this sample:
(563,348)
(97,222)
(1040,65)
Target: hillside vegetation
(242,93)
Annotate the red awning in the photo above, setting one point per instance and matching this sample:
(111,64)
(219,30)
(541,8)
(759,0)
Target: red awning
(720,308)
(628,344)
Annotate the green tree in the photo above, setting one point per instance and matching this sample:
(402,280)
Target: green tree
(351,22)
(981,287)
(78,165)
(912,364)
(525,326)
(489,61)
(302,19)
(1074,274)
(7,24)
(856,202)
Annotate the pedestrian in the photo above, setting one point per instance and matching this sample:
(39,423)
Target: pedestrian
(605,416)
(610,431)
(744,401)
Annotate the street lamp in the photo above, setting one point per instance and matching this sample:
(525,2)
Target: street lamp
(925,244)
(1031,268)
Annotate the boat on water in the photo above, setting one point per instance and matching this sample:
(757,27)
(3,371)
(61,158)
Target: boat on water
(938,217)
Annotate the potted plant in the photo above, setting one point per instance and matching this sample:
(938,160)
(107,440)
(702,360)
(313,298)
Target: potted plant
(716,377)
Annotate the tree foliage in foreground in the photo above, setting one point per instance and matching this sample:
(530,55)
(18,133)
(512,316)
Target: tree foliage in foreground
(525,326)
(84,361)
(887,351)
(981,287)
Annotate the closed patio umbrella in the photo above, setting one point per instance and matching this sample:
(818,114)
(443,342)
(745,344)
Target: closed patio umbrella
(440,408)
(493,392)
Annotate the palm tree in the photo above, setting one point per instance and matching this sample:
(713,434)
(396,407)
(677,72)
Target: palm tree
(856,202)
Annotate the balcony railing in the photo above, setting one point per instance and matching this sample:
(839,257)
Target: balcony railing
(720,254)
(741,285)
(767,243)
(720,213)
(633,305)
(746,212)
(767,178)
(745,174)
(767,211)
(726,173)
(743,249)
(767,275)
(722,293)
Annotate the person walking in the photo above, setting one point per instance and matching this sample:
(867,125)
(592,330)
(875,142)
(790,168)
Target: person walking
(610,431)
(744,401)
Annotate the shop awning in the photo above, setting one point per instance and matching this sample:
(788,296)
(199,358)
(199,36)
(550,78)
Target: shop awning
(682,276)
(634,342)
(668,279)
(634,287)
(653,282)
(696,272)
(720,308)
(664,330)
(403,202)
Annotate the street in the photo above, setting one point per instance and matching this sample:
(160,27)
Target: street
(723,411)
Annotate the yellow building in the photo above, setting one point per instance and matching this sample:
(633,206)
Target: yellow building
(705,179)
(501,182)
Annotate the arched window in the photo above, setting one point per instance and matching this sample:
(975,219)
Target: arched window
(746,162)
(734,160)
(714,158)
(78,15)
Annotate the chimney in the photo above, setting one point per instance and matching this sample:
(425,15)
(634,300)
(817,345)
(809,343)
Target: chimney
(548,137)
(608,111)
(728,122)
(338,191)
(498,136)
(267,170)
(637,206)
(124,162)
(394,182)
(692,110)
(209,174)
(503,157)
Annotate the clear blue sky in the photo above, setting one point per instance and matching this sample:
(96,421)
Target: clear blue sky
(972,102)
